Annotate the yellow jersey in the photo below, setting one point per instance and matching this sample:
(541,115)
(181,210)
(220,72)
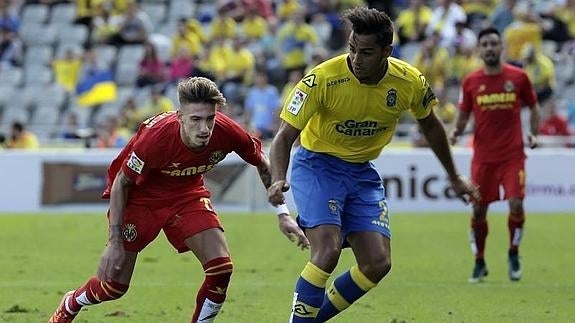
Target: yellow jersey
(339,116)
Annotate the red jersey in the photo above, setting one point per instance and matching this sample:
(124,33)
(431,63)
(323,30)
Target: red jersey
(496,102)
(164,169)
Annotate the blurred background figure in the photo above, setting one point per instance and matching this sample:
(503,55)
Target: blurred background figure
(262,107)
(20,138)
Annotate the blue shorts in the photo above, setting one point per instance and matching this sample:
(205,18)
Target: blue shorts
(328,190)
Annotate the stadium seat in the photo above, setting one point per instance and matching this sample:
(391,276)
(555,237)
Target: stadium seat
(62,48)
(45,116)
(63,13)
(15,112)
(41,95)
(168,29)
(156,12)
(72,34)
(180,9)
(38,55)
(126,74)
(37,75)
(35,13)
(11,77)
(130,54)
(107,110)
(37,34)
(106,55)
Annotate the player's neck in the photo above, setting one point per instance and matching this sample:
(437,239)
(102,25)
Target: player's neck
(493,70)
(376,78)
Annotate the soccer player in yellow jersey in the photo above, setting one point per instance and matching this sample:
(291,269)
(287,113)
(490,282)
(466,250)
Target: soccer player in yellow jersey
(345,111)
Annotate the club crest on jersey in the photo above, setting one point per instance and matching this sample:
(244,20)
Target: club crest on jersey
(332,205)
(216,156)
(309,80)
(129,232)
(135,163)
(296,102)
(391,97)
(508,86)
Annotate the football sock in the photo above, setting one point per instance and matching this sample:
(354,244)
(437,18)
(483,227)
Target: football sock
(212,293)
(515,225)
(93,292)
(345,289)
(477,237)
(308,295)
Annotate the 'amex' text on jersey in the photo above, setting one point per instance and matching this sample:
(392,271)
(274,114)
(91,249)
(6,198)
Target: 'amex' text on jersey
(358,128)
(189,171)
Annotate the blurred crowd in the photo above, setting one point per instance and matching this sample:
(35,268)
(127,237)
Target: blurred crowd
(255,50)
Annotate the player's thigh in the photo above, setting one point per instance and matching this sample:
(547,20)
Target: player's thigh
(487,176)
(318,192)
(208,244)
(140,226)
(514,179)
(193,217)
(366,209)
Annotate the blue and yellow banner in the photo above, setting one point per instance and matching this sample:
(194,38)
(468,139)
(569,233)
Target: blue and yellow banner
(96,88)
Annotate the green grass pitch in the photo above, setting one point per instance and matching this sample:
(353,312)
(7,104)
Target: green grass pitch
(44,255)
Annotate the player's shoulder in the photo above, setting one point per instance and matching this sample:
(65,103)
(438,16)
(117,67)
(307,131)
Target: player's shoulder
(158,131)
(513,70)
(403,72)
(226,124)
(322,73)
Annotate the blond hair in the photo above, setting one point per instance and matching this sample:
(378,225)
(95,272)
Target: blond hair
(199,90)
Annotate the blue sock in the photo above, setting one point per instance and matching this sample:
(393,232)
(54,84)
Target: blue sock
(345,289)
(308,295)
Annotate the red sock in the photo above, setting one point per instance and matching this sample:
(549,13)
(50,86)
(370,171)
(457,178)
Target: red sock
(479,231)
(95,292)
(212,293)
(515,225)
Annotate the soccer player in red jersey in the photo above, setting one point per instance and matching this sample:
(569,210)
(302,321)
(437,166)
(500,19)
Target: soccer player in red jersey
(495,95)
(156,183)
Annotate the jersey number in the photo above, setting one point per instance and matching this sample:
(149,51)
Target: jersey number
(207,203)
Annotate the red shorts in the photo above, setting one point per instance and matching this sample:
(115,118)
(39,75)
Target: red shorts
(142,223)
(490,176)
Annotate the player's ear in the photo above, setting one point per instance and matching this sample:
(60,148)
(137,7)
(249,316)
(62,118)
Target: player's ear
(387,50)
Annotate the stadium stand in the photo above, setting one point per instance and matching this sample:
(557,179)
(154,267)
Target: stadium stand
(30,90)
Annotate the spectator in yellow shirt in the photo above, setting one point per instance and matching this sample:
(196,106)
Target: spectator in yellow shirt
(412,22)
(67,70)
(541,72)
(20,138)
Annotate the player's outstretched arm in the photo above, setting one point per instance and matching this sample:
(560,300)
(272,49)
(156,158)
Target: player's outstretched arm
(462,119)
(114,254)
(534,126)
(435,135)
(280,154)
(287,224)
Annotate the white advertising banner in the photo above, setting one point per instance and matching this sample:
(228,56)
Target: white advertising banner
(414,180)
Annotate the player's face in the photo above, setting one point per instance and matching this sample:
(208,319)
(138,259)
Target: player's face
(490,49)
(196,123)
(367,57)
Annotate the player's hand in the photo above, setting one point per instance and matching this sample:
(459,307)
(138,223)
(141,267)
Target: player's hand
(532,140)
(112,260)
(453,137)
(292,231)
(465,189)
(276,192)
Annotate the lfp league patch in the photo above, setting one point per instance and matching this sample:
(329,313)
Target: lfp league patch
(135,163)
(296,102)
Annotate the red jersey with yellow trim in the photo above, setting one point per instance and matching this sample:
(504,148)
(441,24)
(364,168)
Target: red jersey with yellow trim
(496,102)
(163,168)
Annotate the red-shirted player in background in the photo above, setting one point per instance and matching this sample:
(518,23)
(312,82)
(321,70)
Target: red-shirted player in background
(156,183)
(495,94)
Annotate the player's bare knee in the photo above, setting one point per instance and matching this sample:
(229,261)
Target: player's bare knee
(516,207)
(326,257)
(376,268)
(480,212)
